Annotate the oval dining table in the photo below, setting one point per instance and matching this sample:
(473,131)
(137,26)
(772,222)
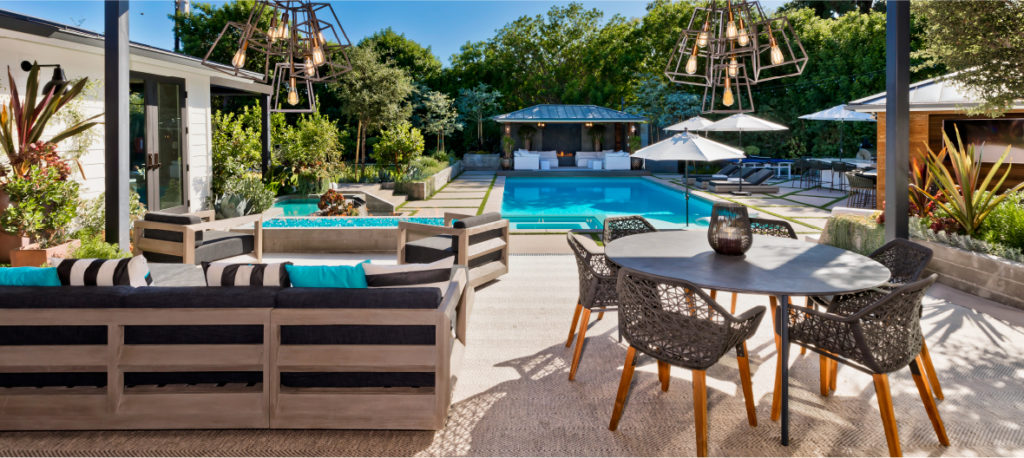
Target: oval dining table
(773,266)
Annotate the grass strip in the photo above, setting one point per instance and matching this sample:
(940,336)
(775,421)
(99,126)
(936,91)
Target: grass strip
(483,203)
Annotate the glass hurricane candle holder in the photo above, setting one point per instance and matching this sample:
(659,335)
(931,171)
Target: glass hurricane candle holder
(729,232)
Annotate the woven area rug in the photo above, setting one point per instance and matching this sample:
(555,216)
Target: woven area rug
(513,396)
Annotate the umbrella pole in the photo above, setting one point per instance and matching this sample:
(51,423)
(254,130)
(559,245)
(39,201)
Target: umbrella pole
(686,184)
(840,139)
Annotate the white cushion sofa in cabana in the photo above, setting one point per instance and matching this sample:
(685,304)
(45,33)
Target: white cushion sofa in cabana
(525,160)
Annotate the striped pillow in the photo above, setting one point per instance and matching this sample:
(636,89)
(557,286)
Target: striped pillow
(436,274)
(220,274)
(104,272)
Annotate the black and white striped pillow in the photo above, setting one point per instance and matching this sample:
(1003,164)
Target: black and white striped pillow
(104,272)
(436,274)
(221,274)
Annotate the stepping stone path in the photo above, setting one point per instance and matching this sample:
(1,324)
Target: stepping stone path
(465,194)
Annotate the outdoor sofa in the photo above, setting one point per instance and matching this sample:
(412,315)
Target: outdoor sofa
(193,238)
(525,160)
(551,157)
(618,160)
(752,183)
(479,242)
(195,357)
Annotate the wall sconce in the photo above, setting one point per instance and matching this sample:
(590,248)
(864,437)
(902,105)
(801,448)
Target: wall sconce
(589,124)
(56,80)
(632,128)
(540,124)
(508,129)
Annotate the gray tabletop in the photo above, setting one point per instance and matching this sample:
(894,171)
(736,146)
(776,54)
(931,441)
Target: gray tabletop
(773,265)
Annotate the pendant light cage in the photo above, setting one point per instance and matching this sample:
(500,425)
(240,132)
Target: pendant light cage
(739,86)
(687,47)
(290,86)
(300,34)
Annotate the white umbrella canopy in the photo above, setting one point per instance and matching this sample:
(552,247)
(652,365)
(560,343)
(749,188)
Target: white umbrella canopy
(839,113)
(694,123)
(742,122)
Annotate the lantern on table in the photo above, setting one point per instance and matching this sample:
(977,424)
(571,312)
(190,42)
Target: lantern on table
(729,232)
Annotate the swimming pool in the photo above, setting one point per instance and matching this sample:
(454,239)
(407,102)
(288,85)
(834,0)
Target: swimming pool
(532,201)
(322,222)
(298,206)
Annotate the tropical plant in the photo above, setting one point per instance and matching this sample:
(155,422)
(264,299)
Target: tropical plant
(920,203)
(597,135)
(244,195)
(398,144)
(962,193)
(43,205)
(634,143)
(526,132)
(334,203)
(920,229)
(22,121)
(507,143)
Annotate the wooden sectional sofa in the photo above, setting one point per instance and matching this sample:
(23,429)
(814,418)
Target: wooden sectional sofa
(184,357)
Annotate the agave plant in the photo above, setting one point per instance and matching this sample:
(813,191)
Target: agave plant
(959,189)
(22,122)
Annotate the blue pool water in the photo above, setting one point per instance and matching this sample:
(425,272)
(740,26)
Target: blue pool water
(567,201)
(340,221)
(298,207)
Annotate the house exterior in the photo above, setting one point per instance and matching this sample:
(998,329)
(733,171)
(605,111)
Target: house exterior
(938,105)
(170,110)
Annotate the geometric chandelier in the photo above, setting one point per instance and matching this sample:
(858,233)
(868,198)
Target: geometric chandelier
(301,45)
(727,47)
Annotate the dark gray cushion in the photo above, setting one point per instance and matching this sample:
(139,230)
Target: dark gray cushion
(63,297)
(357,379)
(353,298)
(200,297)
(358,335)
(478,220)
(430,249)
(171,218)
(216,246)
(486,235)
(53,335)
(216,334)
(165,274)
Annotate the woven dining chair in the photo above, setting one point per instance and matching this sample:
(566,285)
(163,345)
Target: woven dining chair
(862,191)
(677,324)
(810,174)
(616,227)
(906,262)
(880,337)
(597,281)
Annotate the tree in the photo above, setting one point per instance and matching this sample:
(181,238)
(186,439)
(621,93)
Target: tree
(400,143)
(478,104)
(828,9)
(981,44)
(375,94)
(199,29)
(419,62)
(663,103)
(439,116)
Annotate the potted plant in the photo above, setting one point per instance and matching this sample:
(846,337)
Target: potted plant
(507,143)
(635,163)
(526,132)
(597,135)
(43,205)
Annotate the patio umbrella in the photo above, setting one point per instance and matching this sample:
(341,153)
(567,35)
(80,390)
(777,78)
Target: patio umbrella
(694,123)
(688,147)
(841,114)
(742,122)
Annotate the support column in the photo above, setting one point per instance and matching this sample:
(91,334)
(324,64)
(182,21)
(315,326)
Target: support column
(265,134)
(897,119)
(115,118)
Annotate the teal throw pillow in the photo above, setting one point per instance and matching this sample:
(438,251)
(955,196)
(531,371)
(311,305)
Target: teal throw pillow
(327,276)
(29,276)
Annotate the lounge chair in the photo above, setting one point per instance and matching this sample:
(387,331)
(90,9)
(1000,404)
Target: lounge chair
(192,238)
(479,242)
(752,183)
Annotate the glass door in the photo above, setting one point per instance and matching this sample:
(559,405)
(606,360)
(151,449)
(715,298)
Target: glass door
(159,169)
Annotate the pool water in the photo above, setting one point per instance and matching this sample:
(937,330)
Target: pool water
(553,200)
(298,207)
(341,221)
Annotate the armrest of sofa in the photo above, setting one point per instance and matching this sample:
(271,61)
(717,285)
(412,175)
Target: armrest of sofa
(186,248)
(462,295)
(449,217)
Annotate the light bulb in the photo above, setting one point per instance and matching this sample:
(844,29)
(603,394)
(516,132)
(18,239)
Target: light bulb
(691,64)
(239,60)
(282,30)
(310,68)
(293,93)
(318,55)
(727,99)
(730,30)
(272,31)
(743,39)
(776,54)
(320,36)
(734,67)
(702,37)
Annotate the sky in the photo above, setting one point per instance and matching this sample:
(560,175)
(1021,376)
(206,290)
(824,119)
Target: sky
(443,25)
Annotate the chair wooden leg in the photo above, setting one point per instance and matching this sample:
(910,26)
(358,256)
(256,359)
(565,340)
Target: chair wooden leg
(664,369)
(807,303)
(777,391)
(748,390)
(700,411)
(929,370)
(600,315)
(584,321)
(620,398)
(929,402)
(832,371)
(892,436)
(714,294)
(732,308)
(572,328)
(824,369)
(774,306)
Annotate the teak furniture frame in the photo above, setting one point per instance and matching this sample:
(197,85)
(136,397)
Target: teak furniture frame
(186,249)
(466,252)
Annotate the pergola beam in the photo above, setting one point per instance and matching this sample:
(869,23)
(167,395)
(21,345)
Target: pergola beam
(115,118)
(897,119)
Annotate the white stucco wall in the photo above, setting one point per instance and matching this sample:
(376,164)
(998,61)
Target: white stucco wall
(79,60)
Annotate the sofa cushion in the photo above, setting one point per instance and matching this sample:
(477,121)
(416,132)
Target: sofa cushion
(165,274)
(358,334)
(370,298)
(104,272)
(478,220)
(216,245)
(433,275)
(200,297)
(357,379)
(327,276)
(181,219)
(430,249)
(29,276)
(223,274)
(63,297)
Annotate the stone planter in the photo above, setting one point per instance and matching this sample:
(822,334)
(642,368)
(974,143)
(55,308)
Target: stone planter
(33,256)
(419,190)
(983,275)
(481,161)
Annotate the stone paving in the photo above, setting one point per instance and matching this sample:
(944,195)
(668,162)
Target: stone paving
(465,194)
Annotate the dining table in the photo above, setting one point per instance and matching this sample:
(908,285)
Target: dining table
(773,266)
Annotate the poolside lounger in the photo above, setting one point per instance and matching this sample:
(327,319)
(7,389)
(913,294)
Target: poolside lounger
(753,183)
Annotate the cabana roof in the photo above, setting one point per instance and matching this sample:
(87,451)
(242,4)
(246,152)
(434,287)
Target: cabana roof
(568,114)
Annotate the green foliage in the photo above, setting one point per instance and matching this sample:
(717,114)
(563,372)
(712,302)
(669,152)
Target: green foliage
(978,42)
(423,167)
(313,142)
(236,145)
(198,30)
(1005,224)
(662,102)
(419,62)
(94,247)
(507,143)
(476,105)
(751,150)
(855,233)
(43,205)
(92,214)
(398,145)
(439,117)
(634,143)
(526,132)
(242,195)
(596,133)
(920,229)
(962,193)
(368,173)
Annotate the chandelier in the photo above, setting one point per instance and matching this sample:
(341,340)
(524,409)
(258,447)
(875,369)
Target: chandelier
(300,46)
(727,47)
